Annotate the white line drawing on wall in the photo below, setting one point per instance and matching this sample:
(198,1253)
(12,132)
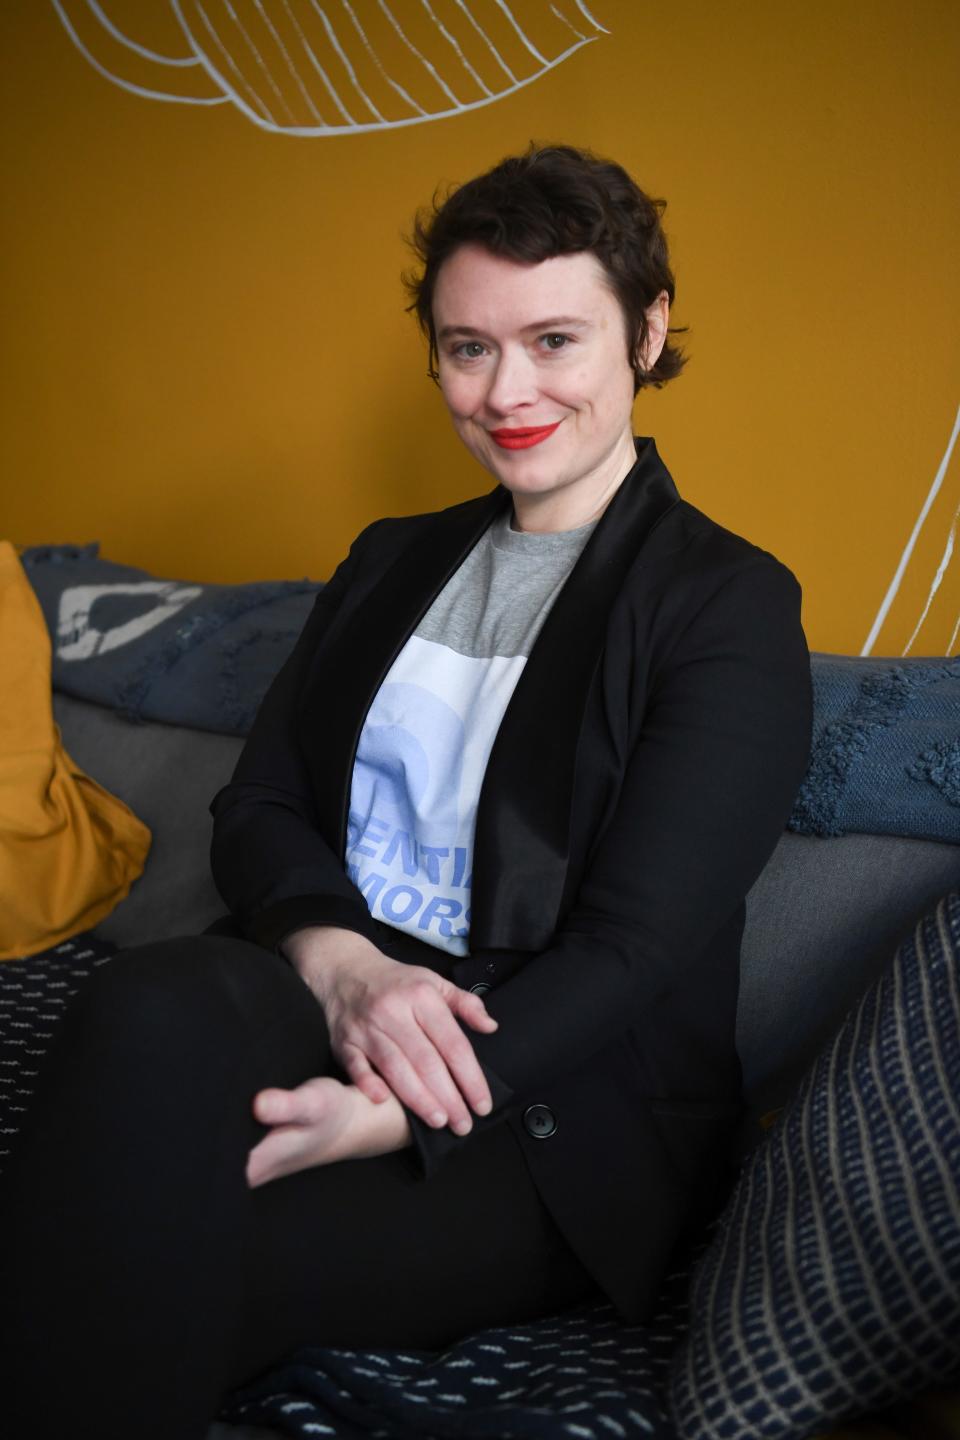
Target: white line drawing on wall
(945,558)
(302,67)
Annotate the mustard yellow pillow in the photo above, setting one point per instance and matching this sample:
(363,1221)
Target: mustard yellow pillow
(69,850)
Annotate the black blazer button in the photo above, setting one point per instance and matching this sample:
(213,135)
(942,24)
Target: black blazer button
(539,1121)
(480,988)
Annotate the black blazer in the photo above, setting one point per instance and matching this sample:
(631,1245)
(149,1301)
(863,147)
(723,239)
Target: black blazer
(642,774)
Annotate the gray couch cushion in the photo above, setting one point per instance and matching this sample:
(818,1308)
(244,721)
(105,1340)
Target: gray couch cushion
(823,920)
(167,775)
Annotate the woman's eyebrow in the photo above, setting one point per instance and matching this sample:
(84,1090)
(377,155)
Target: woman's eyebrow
(448,330)
(559,322)
(555,322)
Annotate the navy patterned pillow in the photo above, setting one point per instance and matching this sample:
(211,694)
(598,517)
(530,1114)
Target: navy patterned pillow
(185,654)
(832,1285)
(34,996)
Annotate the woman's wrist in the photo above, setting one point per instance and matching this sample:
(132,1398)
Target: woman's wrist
(317,952)
(376,1129)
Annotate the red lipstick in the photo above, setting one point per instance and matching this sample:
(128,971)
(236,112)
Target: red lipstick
(523,437)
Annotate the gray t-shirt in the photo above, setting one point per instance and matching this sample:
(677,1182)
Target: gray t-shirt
(428,735)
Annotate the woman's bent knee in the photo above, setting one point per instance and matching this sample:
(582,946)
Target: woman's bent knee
(203,980)
(183,1005)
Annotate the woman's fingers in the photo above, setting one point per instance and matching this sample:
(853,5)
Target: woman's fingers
(395,1030)
(458,1057)
(266,1160)
(363,1076)
(425,1089)
(304,1123)
(287,1149)
(430,1064)
(471,1009)
(279,1107)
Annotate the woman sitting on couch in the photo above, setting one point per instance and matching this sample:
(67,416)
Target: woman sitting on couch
(464,1051)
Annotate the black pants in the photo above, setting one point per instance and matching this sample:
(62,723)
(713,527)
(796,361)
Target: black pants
(140,1278)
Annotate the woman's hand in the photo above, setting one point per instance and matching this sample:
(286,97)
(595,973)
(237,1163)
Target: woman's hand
(393,1027)
(318,1123)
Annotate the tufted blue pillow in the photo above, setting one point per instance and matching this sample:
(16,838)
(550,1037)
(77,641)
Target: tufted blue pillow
(885,758)
(832,1285)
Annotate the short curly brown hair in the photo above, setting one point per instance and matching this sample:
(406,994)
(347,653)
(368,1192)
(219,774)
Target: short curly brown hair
(554,200)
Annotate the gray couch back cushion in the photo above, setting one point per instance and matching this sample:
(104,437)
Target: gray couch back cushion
(167,775)
(824,917)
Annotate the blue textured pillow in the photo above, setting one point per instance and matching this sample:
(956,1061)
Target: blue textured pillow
(832,1284)
(885,758)
(199,655)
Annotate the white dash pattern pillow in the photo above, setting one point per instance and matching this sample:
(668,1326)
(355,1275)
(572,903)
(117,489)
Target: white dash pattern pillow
(832,1285)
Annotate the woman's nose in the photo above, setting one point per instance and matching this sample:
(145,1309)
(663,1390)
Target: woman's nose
(514,383)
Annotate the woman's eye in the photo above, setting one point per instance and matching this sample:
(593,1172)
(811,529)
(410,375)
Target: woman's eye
(555,342)
(470,350)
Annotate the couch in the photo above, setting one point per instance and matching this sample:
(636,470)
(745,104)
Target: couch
(823,918)
(874,843)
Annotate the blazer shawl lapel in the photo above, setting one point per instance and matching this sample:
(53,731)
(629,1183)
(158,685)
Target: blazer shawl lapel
(522,841)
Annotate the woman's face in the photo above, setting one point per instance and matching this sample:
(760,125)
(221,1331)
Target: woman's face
(534,369)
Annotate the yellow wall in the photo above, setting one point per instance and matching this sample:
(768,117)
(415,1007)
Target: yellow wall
(208,367)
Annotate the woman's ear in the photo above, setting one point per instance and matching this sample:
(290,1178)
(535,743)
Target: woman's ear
(658,317)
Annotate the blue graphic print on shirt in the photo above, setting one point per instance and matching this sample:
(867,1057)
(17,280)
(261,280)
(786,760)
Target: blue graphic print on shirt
(416,781)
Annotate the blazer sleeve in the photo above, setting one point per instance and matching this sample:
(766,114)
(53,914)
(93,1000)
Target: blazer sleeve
(270,862)
(714,768)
